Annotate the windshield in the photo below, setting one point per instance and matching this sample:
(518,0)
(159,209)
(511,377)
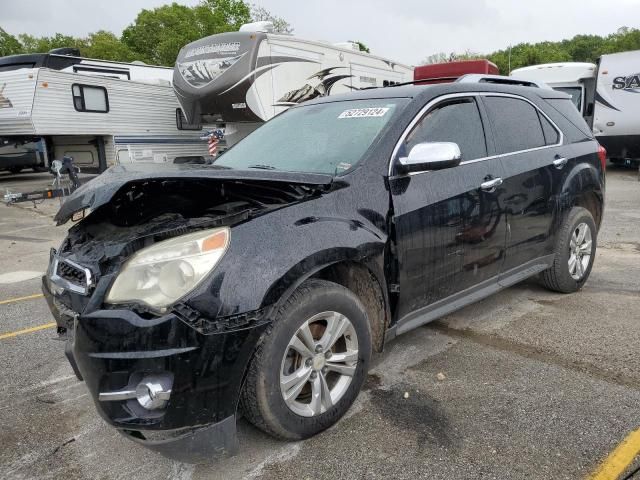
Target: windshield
(328,138)
(576,95)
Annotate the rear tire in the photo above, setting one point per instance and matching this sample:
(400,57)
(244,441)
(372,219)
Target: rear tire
(575,252)
(310,364)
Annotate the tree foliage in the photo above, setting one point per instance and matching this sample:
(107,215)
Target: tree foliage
(155,36)
(581,48)
(9,45)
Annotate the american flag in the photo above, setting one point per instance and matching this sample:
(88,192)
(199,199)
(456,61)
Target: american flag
(213,146)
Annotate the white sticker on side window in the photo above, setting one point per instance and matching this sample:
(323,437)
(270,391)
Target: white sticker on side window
(364,112)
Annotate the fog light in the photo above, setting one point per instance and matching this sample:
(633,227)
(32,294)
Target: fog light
(153,392)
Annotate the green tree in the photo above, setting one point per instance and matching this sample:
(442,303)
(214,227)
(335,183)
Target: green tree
(451,57)
(9,45)
(157,35)
(581,48)
(525,54)
(106,46)
(261,14)
(361,46)
(625,39)
(584,48)
(31,44)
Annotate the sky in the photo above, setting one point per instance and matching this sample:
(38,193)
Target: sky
(402,30)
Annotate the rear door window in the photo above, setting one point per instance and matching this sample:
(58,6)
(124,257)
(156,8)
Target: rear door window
(516,125)
(457,120)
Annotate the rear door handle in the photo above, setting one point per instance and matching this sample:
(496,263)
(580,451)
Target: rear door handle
(491,185)
(559,163)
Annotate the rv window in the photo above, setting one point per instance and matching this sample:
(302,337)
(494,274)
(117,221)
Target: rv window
(103,72)
(89,98)
(576,95)
(182,124)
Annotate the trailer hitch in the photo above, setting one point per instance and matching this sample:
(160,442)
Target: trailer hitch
(60,187)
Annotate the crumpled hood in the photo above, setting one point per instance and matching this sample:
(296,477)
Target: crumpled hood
(101,189)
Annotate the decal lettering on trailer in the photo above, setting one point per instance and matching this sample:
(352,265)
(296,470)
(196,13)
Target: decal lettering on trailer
(213,48)
(364,112)
(630,82)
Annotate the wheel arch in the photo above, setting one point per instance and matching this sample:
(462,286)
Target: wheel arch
(583,187)
(363,276)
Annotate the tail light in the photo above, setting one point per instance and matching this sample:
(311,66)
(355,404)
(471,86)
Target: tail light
(602,155)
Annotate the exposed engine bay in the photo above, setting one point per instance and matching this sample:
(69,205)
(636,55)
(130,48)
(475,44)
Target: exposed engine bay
(144,212)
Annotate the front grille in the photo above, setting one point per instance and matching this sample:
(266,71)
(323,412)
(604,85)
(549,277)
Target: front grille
(72,274)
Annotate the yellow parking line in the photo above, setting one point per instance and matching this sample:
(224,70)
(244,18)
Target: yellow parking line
(27,330)
(619,460)
(19,299)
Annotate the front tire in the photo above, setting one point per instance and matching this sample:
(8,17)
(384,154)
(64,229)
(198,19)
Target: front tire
(575,252)
(311,363)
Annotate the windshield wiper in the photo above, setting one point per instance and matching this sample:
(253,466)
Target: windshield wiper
(263,167)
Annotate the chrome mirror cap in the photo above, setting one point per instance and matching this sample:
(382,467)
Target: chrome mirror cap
(431,156)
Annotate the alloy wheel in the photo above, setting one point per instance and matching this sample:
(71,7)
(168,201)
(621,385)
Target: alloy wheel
(319,364)
(580,251)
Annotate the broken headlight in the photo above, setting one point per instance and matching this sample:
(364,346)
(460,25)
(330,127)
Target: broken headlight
(162,273)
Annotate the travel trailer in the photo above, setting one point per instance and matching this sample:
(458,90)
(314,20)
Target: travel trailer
(241,79)
(451,71)
(574,78)
(607,95)
(97,112)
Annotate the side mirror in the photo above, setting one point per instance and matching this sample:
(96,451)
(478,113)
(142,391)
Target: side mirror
(430,156)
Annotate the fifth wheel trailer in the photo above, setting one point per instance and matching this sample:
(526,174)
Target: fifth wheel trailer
(100,113)
(241,79)
(607,95)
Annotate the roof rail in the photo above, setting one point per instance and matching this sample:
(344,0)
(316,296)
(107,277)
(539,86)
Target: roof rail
(500,79)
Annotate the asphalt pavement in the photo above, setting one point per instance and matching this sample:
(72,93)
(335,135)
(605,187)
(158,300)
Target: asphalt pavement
(525,384)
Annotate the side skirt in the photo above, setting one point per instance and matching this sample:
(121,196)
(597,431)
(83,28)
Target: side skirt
(467,297)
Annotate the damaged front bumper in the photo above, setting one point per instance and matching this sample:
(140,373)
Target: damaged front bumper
(202,361)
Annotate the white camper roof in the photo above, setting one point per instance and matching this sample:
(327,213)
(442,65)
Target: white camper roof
(553,73)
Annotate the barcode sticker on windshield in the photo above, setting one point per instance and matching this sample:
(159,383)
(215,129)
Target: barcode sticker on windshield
(364,112)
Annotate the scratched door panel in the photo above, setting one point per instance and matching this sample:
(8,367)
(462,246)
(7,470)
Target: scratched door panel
(450,233)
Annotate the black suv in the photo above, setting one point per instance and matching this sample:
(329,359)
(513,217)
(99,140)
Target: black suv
(263,283)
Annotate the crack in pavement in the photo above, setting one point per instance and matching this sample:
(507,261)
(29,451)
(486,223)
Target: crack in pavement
(536,353)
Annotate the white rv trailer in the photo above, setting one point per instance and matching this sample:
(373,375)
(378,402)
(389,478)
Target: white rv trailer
(574,78)
(241,79)
(100,113)
(607,95)
(616,119)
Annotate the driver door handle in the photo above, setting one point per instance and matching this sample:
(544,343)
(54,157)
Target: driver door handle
(491,185)
(559,163)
